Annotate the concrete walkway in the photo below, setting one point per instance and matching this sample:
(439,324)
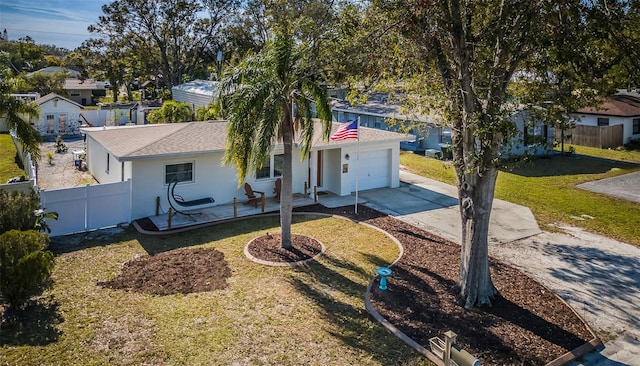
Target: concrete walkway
(599,277)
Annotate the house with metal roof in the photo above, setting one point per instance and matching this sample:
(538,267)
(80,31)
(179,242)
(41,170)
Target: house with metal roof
(196,93)
(191,154)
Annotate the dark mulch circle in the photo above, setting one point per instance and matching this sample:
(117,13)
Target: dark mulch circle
(181,271)
(267,248)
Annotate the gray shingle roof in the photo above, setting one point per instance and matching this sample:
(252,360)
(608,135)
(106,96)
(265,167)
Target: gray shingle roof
(160,140)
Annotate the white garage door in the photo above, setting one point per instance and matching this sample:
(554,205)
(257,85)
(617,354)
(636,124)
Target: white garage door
(372,169)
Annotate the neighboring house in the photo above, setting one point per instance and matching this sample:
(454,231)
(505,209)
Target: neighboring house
(378,111)
(54,69)
(151,156)
(144,107)
(196,93)
(621,109)
(533,138)
(58,116)
(27,96)
(431,137)
(82,91)
(120,113)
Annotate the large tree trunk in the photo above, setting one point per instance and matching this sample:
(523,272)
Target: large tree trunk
(286,195)
(476,287)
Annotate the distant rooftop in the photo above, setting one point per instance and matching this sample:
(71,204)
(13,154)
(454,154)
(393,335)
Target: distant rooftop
(379,105)
(203,87)
(53,69)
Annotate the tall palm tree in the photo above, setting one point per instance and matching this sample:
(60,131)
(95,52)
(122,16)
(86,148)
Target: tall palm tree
(268,98)
(14,111)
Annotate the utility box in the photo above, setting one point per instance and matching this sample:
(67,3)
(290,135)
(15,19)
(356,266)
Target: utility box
(462,357)
(451,353)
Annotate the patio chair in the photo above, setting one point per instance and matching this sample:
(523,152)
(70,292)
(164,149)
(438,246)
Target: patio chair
(251,195)
(277,189)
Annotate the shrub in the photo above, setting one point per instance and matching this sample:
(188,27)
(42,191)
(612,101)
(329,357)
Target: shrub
(60,145)
(25,267)
(49,155)
(18,210)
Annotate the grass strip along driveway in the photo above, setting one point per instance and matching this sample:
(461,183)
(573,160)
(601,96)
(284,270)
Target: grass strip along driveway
(548,187)
(312,314)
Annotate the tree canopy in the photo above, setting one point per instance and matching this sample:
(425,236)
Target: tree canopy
(177,38)
(464,59)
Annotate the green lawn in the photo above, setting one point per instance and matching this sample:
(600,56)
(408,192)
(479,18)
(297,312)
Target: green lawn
(623,155)
(548,187)
(313,315)
(8,166)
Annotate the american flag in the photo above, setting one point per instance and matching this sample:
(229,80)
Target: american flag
(347,130)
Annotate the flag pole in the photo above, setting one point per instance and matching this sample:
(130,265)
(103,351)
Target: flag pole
(357,161)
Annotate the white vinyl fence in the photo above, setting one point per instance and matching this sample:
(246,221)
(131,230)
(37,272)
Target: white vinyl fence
(87,208)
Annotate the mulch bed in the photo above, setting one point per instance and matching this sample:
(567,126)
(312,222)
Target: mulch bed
(527,324)
(181,271)
(268,248)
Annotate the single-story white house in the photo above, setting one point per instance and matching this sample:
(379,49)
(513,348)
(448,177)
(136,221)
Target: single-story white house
(621,109)
(58,116)
(152,156)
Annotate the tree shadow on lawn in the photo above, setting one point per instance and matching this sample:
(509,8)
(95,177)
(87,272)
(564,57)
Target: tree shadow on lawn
(94,239)
(33,325)
(153,244)
(353,326)
(559,165)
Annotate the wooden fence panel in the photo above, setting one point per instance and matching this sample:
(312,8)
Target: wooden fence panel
(602,137)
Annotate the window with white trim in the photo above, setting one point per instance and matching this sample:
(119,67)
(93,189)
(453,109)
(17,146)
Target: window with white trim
(271,168)
(603,121)
(636,126)
(182,172)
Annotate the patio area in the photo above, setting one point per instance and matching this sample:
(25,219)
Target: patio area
(227,212)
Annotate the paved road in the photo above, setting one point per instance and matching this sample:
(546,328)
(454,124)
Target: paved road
(597,276)
(625,186)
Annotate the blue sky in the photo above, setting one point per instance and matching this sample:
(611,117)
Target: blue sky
(62,23)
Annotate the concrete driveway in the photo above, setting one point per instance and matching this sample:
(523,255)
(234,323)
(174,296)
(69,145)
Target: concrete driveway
(433,206)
